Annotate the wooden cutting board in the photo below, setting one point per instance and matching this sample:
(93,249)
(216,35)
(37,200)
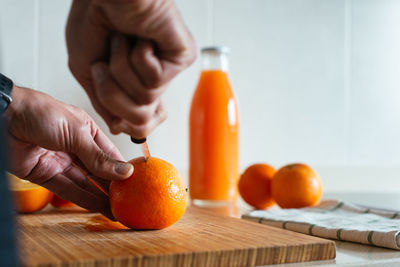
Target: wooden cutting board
(200,238)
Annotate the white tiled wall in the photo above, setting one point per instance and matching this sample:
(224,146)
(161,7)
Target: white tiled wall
(287,67)
(375,90)
(317,80)
(17,40)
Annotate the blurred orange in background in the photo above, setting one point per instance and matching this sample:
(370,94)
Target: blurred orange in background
(255,185)
(28,197)
(296,186)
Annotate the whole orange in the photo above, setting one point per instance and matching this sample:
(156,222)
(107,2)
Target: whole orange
(255,185)
(296,186)
(28,197)
(154,197)
(59,202)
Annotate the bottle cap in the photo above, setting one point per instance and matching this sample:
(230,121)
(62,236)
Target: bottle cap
(216,49)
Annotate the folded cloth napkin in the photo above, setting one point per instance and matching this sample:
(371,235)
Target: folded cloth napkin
(337,220)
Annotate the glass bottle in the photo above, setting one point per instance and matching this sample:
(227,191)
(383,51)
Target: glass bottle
(213,134)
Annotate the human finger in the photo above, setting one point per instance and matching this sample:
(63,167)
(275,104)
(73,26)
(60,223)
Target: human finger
(67,189)
(116,100)
(105,144)
(97,161)
(142,130)
(126,76)
(82,178)
(155,68)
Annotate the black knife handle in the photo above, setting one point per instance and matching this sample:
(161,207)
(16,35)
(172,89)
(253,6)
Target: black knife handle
(138,141)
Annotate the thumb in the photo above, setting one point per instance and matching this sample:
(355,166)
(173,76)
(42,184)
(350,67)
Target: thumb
(99,163)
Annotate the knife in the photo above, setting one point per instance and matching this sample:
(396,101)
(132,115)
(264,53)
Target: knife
(145,148)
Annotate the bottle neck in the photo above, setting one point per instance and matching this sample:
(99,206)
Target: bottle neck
(215,61)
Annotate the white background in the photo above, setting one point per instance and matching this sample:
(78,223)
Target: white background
(317,81)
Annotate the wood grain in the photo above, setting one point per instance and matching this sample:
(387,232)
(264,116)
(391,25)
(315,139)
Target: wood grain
(200,238)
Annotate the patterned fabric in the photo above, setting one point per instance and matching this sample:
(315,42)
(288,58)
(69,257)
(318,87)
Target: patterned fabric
(337,220)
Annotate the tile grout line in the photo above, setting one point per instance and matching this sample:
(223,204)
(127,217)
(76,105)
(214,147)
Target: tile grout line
(36,37)
(347,73)
(210,22)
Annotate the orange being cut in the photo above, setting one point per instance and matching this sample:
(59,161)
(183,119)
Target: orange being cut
(154,197)
(28,197)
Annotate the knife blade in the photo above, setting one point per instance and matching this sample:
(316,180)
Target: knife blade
(145,150)
(144,146)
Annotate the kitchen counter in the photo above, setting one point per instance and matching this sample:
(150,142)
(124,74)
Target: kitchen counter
(351,254)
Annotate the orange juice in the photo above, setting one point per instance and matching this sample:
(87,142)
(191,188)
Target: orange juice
(214,134)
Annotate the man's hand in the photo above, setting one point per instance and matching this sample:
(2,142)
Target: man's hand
(57,146)
(126,77)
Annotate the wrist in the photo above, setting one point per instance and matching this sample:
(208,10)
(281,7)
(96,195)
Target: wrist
(6,86)
(16,105)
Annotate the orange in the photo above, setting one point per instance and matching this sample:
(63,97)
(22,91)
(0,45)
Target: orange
(255,185)
(28,197)
(59,202)
(154,197)
(296,186)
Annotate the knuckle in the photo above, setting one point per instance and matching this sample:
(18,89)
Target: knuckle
(113,129)
(82,130)
(163,117)
(149,97)
(145,99)
(142,118)
(154,79)
(141,115)
(78,136)
(190,56)
(100,160)
(146,117)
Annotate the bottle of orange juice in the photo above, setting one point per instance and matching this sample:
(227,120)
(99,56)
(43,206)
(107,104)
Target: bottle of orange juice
(213,134)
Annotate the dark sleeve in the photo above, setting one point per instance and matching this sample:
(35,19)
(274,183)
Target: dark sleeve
(8,255)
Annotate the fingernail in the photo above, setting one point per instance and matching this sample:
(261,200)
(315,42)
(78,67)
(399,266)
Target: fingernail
(99,73)
(123,168)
